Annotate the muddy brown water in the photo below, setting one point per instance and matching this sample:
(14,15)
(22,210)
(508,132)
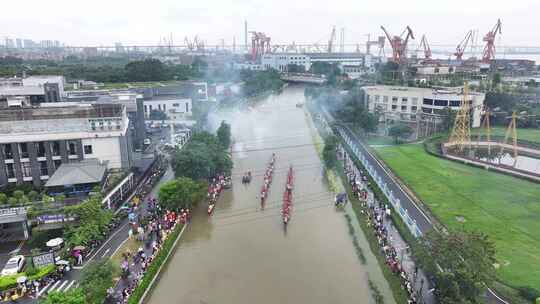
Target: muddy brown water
(242,254)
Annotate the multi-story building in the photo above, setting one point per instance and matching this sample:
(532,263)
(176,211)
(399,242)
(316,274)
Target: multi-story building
(31,90)
(35,141)
(281,61)
(407,103)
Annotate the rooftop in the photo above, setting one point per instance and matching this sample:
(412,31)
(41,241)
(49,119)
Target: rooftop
(61,110)
(85,172)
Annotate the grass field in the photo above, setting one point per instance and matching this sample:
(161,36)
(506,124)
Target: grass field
(524,134)
(504,207)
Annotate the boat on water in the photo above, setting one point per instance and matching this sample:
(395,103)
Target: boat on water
(286,208)
(267,181)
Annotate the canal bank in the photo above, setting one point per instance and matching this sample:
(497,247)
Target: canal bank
(242,254)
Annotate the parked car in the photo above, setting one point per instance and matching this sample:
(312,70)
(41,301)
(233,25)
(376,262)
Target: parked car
(14,265)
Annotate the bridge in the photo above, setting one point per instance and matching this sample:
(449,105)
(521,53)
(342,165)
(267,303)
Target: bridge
(303,78)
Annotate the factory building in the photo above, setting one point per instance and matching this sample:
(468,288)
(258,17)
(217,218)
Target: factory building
(36,141)
(409,104)
(354,63)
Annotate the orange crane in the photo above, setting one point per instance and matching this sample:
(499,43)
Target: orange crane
(425,45)
(399,44)
(489,39)
(462,46)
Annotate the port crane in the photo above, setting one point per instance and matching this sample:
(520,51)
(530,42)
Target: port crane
(462,46)
(489,39)
(399,44)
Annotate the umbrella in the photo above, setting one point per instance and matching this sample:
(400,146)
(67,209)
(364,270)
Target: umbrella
(80,248)
(21,279)
(54,242)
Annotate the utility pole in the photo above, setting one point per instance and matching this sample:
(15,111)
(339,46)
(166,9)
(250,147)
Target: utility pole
(245,35)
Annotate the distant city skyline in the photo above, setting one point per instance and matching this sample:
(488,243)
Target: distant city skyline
(136,22)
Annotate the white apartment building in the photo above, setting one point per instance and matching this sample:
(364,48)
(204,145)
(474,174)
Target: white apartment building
(176,108)
(406,103)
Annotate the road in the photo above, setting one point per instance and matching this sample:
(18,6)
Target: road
(415,212)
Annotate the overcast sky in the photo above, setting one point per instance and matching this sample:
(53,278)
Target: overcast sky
(103,22)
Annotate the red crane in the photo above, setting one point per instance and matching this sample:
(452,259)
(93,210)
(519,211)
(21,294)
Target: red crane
(260,45)
(425,45)
(399,44)
(462,46)
(489,38)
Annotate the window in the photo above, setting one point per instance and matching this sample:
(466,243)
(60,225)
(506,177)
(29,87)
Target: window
(441,103)
(88,149)
(176,105)
(164,108)
(23,150)
(414,108)
(145,109)
(404,100)
(187,107)
(8,152)
(428,101)
(159,107)
(55,148)
(72,150)
(415,100)
(150,107)
(394,99)
(43,168)
(93,125)
(26,169)
(413,117)
(403,108)
(10,171)
(394,107)
(455,103)
(101,125)
(41,149)
(376,97)
(57,163)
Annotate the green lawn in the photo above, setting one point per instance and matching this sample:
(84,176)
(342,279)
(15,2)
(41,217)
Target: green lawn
(524,134)
(380,141)
(504,207)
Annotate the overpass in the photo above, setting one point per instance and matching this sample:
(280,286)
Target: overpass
(303,78)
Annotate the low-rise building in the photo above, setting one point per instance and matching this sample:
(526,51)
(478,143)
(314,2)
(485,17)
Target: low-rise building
(407,103)
(176,108)
(35,141)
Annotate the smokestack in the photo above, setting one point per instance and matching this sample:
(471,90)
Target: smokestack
(245,35)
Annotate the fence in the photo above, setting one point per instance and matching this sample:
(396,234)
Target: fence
(396,203)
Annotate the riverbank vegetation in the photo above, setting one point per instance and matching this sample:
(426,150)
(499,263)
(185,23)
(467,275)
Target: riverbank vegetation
(259,82)
(181,193)
(507,209)
(202,158)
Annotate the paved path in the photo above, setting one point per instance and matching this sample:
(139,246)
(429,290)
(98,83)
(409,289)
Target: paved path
(415,212)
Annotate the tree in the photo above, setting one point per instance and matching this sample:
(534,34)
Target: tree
(33,195)
(354,111)
(224,134)
(329,151)
(449,117)
(182,192)
(158,115)
(202,158)
(400,130)
(146,70)
(73,296)
(12,201)
(3,198)
(96,278)
(496,81)
(92,222)
(461,263)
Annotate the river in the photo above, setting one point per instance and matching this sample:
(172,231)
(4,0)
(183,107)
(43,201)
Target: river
(242,254)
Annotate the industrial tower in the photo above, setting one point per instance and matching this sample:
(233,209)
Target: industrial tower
(461,133)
